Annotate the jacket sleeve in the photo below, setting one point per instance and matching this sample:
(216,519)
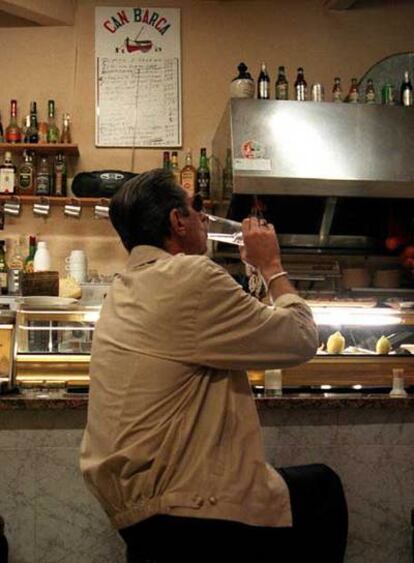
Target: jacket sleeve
(233,330)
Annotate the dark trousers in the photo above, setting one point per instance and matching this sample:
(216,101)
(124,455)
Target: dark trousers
(319,531)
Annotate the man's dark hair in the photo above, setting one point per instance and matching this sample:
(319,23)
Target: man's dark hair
(140,209)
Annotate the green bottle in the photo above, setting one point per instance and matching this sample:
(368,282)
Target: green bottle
(53,134)
(203,175)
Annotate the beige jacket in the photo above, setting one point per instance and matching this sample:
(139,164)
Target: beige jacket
(172,424)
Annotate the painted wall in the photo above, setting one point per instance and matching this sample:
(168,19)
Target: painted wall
(58,62)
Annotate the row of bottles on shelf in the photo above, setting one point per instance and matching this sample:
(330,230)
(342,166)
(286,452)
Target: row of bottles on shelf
(34,131)
(243,87)
(197,180)
(34,178)
(16,260)
(194,180)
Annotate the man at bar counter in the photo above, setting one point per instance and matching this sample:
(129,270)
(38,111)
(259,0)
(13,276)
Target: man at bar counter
(172,448)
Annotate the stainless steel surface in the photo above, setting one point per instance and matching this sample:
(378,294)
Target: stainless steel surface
(322,149)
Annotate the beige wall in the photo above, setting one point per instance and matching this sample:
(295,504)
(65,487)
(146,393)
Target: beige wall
(58,62)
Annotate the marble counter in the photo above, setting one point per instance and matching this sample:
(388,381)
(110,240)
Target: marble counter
(51,517)
(59,400)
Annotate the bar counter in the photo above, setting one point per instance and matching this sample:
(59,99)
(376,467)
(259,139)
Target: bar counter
(59,400)
(367,440)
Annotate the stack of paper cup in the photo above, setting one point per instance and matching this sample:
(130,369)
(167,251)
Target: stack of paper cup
(77,265)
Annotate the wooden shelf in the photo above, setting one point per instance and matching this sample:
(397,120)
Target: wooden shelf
(41,148)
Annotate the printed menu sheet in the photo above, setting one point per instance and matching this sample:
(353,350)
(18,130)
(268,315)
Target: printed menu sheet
(138,77)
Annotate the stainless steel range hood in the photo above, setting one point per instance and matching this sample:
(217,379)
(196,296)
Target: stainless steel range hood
(318,149)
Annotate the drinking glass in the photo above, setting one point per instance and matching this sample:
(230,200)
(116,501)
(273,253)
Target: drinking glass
(224,230)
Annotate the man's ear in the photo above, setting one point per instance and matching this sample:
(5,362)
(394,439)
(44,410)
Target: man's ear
(178,227)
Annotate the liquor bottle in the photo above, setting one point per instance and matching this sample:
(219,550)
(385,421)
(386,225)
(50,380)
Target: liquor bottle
(406,90)
(370,96)
(1,131)
(3,268)
(189,174)
(25,125)
(174,166)
(166,163)
(353,96)
(13,132)
(15,267)
(59,180)
(301,86)
(337,90)
(66,136)
(53,133)
(227,184)
(32,133)
(28,263)
(43,177)
(26,175)
(263,84)
(7,175)
(203,175)
(282,85)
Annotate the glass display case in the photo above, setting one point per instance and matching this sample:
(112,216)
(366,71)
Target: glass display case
(358,362)
(52,347)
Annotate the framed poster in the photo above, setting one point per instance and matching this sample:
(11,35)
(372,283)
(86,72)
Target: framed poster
(137,77)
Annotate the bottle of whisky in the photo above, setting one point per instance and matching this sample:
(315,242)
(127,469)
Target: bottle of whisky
(282,85)
(25,175)
(59,183)
(189,174)
(53,133)
(263,84)
(174,166)
(203,175)
(43,177)
(13,132)
(7,175)
(301,86)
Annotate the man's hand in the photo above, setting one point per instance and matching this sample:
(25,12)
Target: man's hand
(261,247)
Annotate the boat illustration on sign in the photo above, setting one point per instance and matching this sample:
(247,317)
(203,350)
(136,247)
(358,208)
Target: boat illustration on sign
(133,45)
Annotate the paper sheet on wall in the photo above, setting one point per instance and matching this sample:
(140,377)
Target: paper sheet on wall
(138,77)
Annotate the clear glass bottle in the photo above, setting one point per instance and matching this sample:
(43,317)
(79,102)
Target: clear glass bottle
(370,95)
(228,176)
(406,90)
(26,175)
(337,94)
(53,133)
(43,177)
(203,175)
(66,135)
(263,84)
(189,174)
(353,96)
(282,85)
(301,86)
(13,131)
(8,175)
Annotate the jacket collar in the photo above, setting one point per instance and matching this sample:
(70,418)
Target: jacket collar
(143,254)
